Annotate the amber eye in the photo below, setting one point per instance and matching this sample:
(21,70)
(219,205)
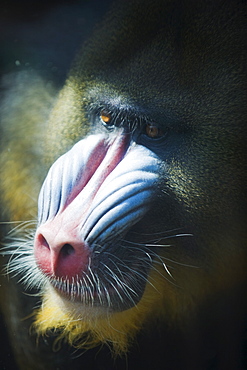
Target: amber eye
(106,117)
(153,131)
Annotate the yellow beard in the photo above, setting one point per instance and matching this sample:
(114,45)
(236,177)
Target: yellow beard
(87,328)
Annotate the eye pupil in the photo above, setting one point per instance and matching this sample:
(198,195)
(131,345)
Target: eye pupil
(153,131)
(105,117)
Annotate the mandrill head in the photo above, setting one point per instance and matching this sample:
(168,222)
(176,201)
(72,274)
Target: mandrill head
(143,218)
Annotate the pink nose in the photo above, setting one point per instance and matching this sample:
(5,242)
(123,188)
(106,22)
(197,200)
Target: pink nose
(59,247)
(60,253)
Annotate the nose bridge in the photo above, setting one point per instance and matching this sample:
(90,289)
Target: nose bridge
(59,247)
(69,175)
(113,155)
(77,206)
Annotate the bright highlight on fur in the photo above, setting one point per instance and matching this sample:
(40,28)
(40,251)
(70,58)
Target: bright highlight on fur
(87,329)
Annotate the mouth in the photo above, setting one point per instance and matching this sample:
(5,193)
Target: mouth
(109,281)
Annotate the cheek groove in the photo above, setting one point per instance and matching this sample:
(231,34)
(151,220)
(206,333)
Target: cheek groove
(113,189)
(71,171)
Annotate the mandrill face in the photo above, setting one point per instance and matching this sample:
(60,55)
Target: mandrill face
(94,195)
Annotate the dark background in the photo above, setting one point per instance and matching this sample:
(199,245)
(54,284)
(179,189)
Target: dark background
(45,35)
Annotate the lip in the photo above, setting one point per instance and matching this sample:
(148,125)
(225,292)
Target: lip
(102,293)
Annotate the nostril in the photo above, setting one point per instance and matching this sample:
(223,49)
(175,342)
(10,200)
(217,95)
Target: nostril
(60,254)
(42,253)
(42,241)
(67,250)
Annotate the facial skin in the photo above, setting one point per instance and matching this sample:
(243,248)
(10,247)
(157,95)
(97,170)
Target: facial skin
(92,197)
(141,216)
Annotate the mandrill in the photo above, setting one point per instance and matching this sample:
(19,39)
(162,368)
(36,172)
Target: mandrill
(139,246)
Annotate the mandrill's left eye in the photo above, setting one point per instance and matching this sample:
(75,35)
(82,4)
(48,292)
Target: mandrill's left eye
(153,131)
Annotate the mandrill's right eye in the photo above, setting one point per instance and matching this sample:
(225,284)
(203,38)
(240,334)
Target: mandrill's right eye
(107,119)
